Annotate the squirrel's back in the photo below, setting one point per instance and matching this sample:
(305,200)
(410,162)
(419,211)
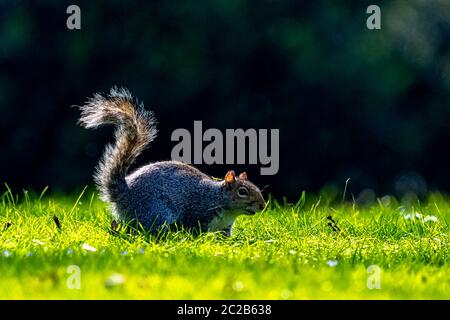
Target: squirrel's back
(177,192)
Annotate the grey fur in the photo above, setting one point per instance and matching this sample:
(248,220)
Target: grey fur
(160,194)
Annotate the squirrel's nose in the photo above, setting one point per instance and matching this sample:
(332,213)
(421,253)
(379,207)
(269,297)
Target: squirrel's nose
(262,205)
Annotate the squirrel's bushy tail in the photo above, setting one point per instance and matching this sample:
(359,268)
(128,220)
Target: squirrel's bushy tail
(135,129)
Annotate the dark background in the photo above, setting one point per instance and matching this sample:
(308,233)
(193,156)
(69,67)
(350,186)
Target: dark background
(373,106)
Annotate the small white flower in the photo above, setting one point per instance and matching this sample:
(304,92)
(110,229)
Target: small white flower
(69,251)
(88,248)
(332,263)
(413,216)
(237,286)
(115,280)
(430,218)
(6,253)
(420,217)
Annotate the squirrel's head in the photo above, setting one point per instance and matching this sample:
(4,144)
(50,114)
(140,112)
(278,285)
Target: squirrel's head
(244,196)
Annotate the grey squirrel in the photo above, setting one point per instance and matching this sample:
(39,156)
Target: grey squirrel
(166,193)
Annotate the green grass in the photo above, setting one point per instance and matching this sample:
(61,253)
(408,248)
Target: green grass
(287,252)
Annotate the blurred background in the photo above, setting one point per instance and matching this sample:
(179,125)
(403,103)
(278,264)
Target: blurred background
(369,105)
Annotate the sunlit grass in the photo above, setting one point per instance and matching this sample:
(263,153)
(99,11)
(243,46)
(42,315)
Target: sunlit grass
(291,251)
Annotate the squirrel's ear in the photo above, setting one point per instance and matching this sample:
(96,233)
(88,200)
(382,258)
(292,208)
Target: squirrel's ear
(243,176)
(230,177)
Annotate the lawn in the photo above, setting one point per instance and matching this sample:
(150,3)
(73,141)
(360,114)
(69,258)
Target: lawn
(62,247)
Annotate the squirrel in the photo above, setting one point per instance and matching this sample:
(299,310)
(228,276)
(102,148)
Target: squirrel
(166,193)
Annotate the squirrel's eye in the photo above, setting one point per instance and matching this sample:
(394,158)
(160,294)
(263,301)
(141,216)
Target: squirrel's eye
(242,192)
